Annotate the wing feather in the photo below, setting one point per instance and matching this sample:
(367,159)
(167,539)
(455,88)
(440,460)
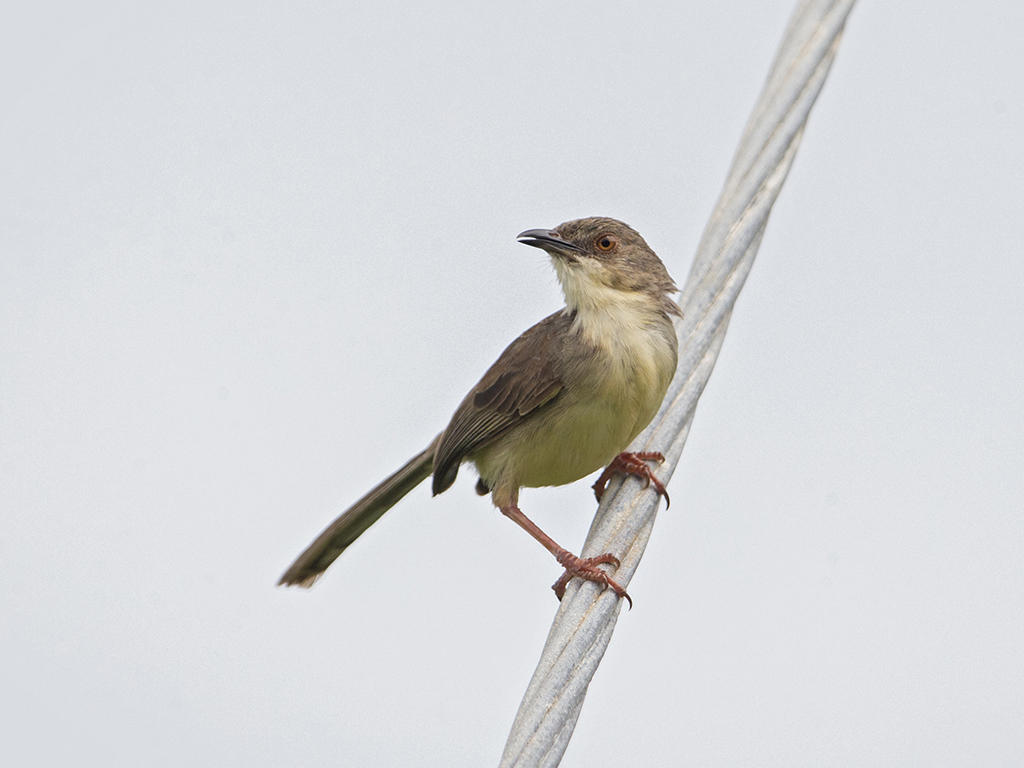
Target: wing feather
(527,376)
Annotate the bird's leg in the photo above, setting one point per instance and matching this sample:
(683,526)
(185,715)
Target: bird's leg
(584,567)
(632,464)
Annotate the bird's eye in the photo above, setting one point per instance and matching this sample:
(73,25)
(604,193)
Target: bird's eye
(606,243)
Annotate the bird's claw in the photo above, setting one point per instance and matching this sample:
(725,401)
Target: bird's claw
(633,464)
(586,569)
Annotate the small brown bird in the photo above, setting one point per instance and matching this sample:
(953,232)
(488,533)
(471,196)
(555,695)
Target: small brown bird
(563,400)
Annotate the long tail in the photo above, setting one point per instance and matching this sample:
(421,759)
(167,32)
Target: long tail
(354,521)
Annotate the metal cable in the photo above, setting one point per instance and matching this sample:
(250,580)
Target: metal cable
(586,617)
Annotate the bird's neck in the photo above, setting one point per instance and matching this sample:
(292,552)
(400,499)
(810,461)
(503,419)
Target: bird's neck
(609,318)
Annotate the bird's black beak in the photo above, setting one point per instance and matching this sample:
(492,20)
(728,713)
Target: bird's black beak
(550,241)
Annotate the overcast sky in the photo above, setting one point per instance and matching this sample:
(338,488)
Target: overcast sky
(254,255)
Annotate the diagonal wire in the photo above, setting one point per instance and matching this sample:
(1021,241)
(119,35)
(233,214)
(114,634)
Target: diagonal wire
(586,617)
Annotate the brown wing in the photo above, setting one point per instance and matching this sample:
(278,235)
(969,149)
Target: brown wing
(527,376)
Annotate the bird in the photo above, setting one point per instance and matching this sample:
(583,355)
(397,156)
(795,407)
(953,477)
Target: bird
(563,400)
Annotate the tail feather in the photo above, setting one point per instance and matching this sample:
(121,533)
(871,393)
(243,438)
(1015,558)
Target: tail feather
(351,524)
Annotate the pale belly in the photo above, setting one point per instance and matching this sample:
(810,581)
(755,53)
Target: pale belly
(568,442)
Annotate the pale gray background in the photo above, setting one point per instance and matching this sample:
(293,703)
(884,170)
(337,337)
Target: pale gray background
(252,258)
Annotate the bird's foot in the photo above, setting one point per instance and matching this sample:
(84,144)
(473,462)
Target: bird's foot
(586,568)
(632,464)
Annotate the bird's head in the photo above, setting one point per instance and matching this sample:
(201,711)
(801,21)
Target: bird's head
(601,260)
